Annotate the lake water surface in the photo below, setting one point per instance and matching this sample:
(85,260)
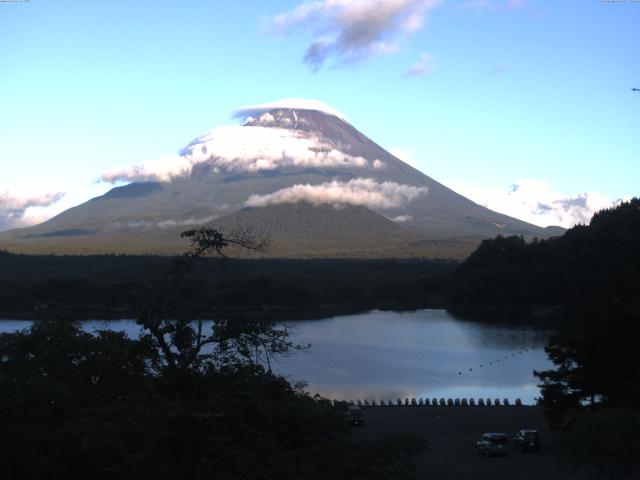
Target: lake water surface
(389,355)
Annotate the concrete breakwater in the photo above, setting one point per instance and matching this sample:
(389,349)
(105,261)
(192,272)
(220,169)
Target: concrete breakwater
(433,402)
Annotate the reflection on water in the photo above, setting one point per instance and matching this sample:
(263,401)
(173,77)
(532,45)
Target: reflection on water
(389,355)
(422,354)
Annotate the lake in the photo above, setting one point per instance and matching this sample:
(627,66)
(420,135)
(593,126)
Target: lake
(389,355)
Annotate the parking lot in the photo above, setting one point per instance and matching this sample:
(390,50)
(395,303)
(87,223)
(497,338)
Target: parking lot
(452,433)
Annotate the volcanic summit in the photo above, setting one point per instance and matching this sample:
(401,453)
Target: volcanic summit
(295,172)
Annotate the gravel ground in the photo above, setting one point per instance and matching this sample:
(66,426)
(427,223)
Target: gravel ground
(452,433)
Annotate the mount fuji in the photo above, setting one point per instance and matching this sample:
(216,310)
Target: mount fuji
(295,172)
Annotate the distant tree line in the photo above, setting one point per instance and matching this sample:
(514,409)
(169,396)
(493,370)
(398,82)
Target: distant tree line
(100,286)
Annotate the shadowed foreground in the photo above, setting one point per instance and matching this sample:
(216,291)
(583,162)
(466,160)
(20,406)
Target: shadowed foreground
(452,433)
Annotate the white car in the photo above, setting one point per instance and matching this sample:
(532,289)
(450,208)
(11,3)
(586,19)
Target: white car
(492,444)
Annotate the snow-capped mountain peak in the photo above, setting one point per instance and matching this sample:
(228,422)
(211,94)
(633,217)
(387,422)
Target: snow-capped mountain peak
(286,104)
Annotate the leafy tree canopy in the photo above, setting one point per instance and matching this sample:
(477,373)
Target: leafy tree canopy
(588,264)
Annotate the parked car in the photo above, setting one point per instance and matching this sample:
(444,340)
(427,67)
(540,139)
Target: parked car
(527,441)
(492,444)
(356,415)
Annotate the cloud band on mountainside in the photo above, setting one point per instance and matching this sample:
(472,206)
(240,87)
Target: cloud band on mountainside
(353,30)
(162,170)
(243,149)
(14,207)
(359,191)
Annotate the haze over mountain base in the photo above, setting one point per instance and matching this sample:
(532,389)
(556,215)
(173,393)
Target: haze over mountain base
(291,231)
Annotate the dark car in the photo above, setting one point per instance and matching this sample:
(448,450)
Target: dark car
(527,441)
(492,444)
(356,415)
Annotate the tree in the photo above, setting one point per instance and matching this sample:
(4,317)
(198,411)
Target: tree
(81,405)
(596,357)
(182,341)
(606,441)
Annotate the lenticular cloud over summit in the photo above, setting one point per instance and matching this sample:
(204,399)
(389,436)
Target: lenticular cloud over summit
(359,191)
(289,104)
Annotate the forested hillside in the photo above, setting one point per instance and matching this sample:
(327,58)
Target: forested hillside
(589,264)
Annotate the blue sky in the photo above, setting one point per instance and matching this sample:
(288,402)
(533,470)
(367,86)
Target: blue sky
(503,92)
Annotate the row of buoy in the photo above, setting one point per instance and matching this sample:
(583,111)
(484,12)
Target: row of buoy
(497,360)
(434,402)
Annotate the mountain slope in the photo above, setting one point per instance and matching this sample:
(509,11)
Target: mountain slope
(279,168)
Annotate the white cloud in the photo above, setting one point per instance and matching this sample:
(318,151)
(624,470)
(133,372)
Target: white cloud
(359,191)
(353,30)
(535,202)
(401,218)
(242,149)
(423,66)
(17,209)
(251,149)
(287,103)
(188,221)
(162,169)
